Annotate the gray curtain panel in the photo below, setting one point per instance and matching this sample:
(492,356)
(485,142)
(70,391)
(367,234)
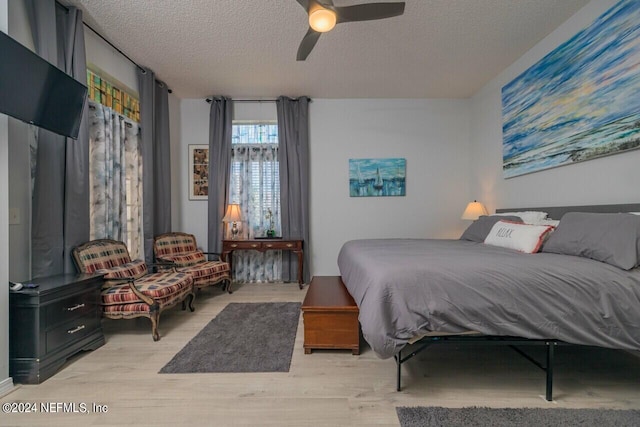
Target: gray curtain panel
(156,169)
(60,204)
(220,129)
(293,156)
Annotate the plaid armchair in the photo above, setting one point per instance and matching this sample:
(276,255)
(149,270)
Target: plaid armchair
(130,290)
(181,250)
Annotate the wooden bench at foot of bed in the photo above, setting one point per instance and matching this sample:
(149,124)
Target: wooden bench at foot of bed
(330,316)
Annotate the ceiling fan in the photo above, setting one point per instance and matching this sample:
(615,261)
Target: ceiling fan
(323,16)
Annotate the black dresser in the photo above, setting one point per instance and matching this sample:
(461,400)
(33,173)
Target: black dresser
(52,322)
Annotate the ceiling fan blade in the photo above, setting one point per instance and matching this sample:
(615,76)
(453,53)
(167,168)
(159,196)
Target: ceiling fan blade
(306,45)
(369,11)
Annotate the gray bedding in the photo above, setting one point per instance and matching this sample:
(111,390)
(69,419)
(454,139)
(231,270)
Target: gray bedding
(407,287)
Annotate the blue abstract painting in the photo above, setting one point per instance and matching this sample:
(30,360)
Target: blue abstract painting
(377,177)
(579,102)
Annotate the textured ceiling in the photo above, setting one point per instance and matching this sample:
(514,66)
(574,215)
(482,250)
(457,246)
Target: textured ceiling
(247,48)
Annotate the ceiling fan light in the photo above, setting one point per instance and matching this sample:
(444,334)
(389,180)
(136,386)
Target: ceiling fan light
(322,20)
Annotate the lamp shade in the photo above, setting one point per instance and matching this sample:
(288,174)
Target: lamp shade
(233,213)
(322,20)
(474,210)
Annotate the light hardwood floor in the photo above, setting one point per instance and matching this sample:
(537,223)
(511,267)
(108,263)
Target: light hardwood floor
(330,388)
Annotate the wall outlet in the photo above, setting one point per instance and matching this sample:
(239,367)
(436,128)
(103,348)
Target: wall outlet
(14,216)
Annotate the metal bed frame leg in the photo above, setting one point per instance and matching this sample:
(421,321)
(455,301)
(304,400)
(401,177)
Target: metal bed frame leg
(511,342)
(550,354)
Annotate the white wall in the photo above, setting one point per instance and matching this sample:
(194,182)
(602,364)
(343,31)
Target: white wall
(107,59)
(612,179)
(6,383)
(433,135)
(191,215)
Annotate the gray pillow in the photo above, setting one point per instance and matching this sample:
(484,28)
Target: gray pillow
(480,228)
(610,238)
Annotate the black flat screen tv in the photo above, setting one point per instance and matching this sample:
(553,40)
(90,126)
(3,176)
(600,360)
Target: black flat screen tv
(37,92)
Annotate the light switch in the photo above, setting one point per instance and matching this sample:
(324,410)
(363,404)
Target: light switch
(14,216)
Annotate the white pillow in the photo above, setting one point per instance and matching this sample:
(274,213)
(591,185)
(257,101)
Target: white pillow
(552,222)
(525,238)
(528,217)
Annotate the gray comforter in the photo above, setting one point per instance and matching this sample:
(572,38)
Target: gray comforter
(406,287)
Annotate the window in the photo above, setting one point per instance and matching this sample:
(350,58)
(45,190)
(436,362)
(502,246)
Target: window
(255,181)
(103,91)
(255,186)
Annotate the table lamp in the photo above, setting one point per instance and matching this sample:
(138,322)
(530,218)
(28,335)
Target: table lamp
(474,210)
(233,215)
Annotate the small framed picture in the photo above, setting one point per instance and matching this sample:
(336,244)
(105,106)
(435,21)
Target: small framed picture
(198,172)
(377,177)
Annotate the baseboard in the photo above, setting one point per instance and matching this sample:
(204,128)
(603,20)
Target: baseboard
(6,386)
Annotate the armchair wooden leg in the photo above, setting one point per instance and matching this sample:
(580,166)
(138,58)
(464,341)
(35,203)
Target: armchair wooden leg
(155,320)
(192,297)
(228,286)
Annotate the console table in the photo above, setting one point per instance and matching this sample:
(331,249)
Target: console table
(263,245)
(51,323)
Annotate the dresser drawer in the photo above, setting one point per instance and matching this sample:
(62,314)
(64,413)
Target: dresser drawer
(69,332)
(70,308)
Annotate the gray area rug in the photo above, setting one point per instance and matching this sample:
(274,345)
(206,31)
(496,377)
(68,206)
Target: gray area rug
(244,337)
(436,416)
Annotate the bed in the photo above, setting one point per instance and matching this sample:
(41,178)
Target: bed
(435,291)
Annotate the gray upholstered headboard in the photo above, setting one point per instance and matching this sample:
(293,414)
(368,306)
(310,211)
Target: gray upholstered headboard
(556,212)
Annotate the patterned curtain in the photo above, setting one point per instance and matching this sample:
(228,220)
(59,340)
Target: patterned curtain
(255,185)
(115,179)
(133,162)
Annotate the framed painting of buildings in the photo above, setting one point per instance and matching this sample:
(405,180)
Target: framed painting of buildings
(580,102)
(198,172)
(377,177)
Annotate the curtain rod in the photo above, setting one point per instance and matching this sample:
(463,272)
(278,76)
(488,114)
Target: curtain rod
(119,51)
(250,100)
(246,100)
(113,46)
